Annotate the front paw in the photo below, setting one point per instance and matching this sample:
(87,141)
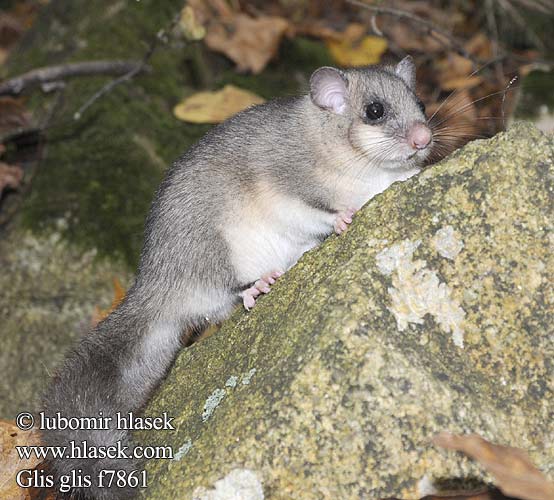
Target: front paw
(343,219)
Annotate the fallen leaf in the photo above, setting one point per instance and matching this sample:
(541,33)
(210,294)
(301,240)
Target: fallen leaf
(10,176)
(515,474)
(479,46)
(11,29)
(190,26)
(13,115)
(10,463)
(316,29)
(409,39)
(355,48)
(249,42)
(482,494)
(211,10)
(215,107)
(461,82)
(118,295)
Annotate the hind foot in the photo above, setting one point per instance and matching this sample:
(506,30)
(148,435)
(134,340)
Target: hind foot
(263,285)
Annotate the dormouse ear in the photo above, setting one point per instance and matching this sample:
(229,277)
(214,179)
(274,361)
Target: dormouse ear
(406,70)
(328,89)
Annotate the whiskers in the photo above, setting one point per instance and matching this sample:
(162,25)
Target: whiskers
(460,121)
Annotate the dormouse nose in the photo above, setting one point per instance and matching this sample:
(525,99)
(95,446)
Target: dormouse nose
(419,136)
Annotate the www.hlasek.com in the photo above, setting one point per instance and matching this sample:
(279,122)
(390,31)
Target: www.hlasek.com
(108,478)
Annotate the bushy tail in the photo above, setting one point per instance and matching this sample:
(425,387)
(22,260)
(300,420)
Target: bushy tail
(113,369)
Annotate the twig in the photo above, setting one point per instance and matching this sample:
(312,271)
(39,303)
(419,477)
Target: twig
(51,74)
(420,22)
(522,23)
(493,28)
(161,36)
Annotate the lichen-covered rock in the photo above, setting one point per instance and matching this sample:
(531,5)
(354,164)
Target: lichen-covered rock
(435,311)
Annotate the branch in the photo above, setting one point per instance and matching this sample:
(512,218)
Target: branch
(50,74)
(161,36)
(420,22)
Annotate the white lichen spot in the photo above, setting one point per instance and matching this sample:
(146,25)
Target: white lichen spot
(248,377)
(426,487)
(447,242)
(183,450)
(389,259)
(417,291)
(231,381)
(212,403)
(239,484)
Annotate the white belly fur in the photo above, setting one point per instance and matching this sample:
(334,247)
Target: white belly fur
(273,230)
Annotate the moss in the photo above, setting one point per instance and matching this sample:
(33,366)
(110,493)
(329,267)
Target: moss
(96,175)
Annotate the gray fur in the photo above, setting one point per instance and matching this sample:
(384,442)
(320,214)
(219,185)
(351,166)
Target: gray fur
(227,191)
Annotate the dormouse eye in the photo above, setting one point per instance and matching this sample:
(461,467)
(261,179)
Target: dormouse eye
(421,106)
(374,111)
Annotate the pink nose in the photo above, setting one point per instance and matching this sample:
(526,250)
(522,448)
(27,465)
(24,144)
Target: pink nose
(419,136)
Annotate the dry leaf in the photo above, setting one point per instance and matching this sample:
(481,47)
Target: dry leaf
(10,176)
(461,82)
(316,29)
(118,295)
(190,26)
(515,474)
(356,49)
(215,107)
(211,10)
(479,46)
(13,115)
(481,494)
(249,42)
(409,39)
(10,463)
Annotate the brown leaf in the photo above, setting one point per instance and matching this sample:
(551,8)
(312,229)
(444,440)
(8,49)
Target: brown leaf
(12,115)
(409,39)
(461,82)
(11,29)
(482,494)
(479,46)
(514,472)
(10,463)
(316,29)
(118,295)
(249,42)
(10,176)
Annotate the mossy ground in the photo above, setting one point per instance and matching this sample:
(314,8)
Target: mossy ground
(100,173)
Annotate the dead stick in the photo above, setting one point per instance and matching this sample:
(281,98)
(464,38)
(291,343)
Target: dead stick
(161,36)
(50,74)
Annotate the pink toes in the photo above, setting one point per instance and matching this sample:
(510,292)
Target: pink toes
(263,285)
(343,219)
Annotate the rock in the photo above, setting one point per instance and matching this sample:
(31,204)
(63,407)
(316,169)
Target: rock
(435,311)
